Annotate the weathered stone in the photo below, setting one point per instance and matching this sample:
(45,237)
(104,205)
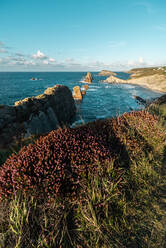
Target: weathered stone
(86,86)
(140,100)
(88,78)
(77,93)
(83,92)
(37,115)
(113,80)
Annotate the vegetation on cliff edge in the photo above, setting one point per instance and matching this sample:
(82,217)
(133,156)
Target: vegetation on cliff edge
(106,196)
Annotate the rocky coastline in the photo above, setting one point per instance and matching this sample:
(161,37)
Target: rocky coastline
(153,79)
(37,115)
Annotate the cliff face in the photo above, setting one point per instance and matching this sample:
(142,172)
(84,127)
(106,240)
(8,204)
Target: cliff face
(37,115)
(154,82)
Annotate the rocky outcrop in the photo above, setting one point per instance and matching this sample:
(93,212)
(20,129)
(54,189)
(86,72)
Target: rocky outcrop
(37,115)
(86,87)
(88,78)
(83,92)
(107,73)
(154,82)
(113,79)
(77,93)
(142,101)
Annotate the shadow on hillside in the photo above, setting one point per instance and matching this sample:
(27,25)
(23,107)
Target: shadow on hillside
(164,157)
(114,141)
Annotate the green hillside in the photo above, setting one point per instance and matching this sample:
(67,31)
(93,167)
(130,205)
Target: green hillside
(142,72)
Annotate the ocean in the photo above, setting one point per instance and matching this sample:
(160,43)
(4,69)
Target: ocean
(101,101)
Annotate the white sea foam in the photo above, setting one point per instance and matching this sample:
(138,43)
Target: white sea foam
(82,81)
(95,87)
(92,89)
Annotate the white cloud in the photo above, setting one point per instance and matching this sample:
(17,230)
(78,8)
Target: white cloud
(45,62)
(51,60)
(39,55)
(141,60)
(3,48)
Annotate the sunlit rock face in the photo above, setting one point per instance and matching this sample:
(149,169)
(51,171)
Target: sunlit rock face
(88,78)
(77,93)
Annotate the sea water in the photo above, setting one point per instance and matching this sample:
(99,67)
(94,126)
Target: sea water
(102,100)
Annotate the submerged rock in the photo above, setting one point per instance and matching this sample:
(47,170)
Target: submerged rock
(37,115)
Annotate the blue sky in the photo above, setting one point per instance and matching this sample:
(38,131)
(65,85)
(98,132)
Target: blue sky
(81,35)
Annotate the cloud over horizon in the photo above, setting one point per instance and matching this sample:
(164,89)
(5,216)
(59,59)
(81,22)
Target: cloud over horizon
(40,61)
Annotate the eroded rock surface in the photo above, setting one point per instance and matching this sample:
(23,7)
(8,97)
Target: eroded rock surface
(88,78)
(113,79)
(77,93)
(37,115)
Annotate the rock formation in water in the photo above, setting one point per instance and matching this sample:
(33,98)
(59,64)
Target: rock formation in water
(88,78)
(107,73)
(141,101)
(77,93)
(37,115)
(86,86)
(113,79)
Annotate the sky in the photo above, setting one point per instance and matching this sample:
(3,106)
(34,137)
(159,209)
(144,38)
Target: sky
(81,35)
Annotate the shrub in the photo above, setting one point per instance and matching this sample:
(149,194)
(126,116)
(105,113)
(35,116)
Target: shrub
(54,163)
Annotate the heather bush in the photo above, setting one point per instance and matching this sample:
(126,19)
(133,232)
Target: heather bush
(54,163)
(118,202)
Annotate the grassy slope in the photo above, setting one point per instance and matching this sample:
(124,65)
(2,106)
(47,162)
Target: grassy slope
(158,107)
(142,72)
(116,206)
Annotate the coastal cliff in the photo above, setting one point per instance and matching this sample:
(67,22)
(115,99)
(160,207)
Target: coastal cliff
(152,78)
(37,115)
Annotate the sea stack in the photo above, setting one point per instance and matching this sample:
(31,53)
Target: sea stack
(77,95)
(88,78)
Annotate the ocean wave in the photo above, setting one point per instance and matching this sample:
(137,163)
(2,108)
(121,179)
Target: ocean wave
(95,87)
(82,81)
(90,89)
(127,86)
